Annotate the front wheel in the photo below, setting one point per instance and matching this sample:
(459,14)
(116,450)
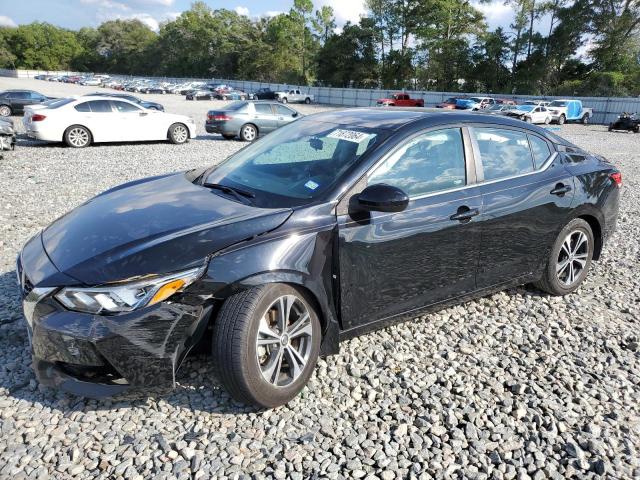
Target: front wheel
(266,342)
(562,119)
(5,111)
(570,259)
(307,101)
(284,100)
(178,133)
(77,136)
(585,120)
(547,120)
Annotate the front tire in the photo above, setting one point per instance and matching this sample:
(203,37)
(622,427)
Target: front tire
(77,136)
(5,111)
(248,132)
(284,100)
(307,100)
(562,119)
(570,259)
(585,120)
(178,133)
(266,342)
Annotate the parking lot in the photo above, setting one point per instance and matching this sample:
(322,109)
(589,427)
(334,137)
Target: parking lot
(514,385)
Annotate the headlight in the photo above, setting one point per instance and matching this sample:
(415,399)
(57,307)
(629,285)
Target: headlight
(126,297)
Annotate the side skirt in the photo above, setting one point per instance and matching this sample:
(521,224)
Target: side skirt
(412,314)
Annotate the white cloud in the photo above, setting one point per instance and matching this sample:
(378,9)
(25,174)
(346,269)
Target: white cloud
(164,3)
(345,10)
(6,21)
(107,4)
(242,11)
(153,22)
(272,13)
(497,13)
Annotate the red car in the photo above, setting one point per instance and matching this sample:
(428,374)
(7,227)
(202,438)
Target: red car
(400,100)
(449,103)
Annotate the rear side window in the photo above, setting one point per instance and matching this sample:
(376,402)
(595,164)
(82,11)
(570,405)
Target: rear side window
(263,108)
(83,107)
(19,95)
(504,153)
(540,150)
(100,106)
(429,163)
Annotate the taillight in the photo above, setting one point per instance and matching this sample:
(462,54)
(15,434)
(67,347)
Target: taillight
(37,117)
(617,179)
(219,118)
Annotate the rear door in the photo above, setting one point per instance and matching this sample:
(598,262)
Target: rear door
(526,196)
(19,100)
(265,117)
(99,118)
(393,263)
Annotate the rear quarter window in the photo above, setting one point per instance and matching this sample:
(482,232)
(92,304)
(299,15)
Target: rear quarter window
(540,150)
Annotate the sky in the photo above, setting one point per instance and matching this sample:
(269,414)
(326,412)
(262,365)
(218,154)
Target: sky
(80,13)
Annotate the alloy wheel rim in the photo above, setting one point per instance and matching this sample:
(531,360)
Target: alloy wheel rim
(284,341)
(572,258)
(249,133)
(5,112)
(180,134)
(78,137)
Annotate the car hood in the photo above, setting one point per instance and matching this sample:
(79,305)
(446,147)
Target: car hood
(151,226)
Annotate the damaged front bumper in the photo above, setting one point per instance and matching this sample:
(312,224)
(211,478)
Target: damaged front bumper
(98,356)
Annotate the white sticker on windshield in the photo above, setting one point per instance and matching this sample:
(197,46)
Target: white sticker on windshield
(311,185)
(349,135)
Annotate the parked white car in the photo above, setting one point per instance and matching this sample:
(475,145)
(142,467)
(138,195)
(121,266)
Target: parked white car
(532,114)
(78,122)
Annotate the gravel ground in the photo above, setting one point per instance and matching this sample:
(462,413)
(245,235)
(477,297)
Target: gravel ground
(514,385)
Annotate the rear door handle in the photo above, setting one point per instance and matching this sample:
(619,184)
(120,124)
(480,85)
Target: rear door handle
(464,214)
(561,189)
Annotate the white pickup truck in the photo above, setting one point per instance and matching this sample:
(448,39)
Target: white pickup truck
(294,96)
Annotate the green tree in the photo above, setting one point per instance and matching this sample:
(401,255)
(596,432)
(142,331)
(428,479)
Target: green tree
(324,23)
(43,46)
(123,46)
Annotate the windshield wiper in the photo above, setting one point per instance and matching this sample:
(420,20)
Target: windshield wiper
(238,193)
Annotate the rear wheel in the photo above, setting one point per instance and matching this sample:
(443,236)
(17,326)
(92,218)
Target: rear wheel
(178,133)
(77,136)
(307,100)
(585,120)
(248,132)
(570,259)
(266,342)
(5,111)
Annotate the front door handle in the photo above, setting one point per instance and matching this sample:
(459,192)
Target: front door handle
(464,214)
(561,189)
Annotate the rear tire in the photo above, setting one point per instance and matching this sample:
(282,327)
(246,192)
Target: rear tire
(570,258)
(248,132)
(77,136)
(262,358)
(585,120)
(178,133)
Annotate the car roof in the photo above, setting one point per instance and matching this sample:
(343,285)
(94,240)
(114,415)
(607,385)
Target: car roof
(395,118)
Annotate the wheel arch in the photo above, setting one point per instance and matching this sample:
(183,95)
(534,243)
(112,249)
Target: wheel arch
(596,228)
(298,280)
(179,123)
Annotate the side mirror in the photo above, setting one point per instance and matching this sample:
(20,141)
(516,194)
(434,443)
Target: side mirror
(382,198)
(294,114)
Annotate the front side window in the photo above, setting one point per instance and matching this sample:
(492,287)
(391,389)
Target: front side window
(540,150)
(504,153)
(297,163)
(429,163)
(124,107)
(282,110)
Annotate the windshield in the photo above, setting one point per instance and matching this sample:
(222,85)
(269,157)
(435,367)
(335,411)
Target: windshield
(558,103)
(296,164)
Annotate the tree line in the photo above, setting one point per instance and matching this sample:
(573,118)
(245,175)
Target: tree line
(564,47)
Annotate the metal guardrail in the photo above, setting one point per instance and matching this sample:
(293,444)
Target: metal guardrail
(605,109)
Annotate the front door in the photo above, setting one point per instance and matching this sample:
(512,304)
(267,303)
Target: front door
(393,263)
(526,195)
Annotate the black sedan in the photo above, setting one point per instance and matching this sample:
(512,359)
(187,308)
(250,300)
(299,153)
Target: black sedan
(201,95)
(12,102)
(329,227)
(131,98)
